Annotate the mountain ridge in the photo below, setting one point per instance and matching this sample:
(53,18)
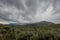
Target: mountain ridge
(43,23)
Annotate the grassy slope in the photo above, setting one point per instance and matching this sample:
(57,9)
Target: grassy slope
(30,32)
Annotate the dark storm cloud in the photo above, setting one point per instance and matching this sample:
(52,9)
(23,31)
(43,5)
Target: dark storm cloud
(56,4)
(26,11)
(5,16)
(16,3)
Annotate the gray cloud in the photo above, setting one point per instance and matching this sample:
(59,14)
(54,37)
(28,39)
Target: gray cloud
(26,11)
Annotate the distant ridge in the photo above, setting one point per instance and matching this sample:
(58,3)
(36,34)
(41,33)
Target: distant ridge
(42,23)
(45,23)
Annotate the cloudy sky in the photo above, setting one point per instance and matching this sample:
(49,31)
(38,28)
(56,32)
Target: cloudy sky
(29,11)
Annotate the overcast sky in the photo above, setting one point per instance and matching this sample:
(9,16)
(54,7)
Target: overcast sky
(29,11)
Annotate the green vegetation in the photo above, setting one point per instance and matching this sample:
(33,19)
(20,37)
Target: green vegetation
(30,32)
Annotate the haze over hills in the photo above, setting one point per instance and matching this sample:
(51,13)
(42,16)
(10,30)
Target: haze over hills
(42,23)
